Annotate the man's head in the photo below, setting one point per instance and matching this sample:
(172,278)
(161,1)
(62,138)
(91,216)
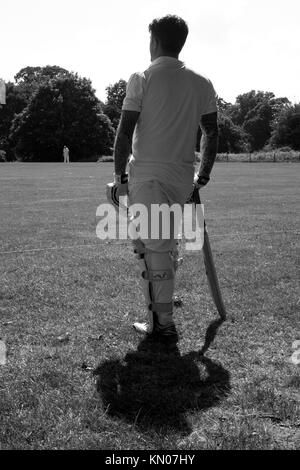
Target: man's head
(168,35)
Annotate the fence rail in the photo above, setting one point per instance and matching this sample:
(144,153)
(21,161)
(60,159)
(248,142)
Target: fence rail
(274,156)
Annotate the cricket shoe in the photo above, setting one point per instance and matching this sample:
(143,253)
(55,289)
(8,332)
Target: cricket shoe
(167,332)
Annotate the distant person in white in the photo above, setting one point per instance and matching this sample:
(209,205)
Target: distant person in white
(2,92)
(161,113)
(66,153)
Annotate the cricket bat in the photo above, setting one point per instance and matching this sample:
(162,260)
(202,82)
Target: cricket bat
(210,267)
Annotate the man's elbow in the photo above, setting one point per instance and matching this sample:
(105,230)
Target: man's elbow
(211,134)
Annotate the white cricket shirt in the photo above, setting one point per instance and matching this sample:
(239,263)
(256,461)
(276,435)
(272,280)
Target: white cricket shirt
(171,99)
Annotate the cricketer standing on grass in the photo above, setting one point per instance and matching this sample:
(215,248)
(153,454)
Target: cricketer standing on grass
(2,92)
(66,154)
(161,112)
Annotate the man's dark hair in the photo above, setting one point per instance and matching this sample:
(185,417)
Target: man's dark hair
(171,32)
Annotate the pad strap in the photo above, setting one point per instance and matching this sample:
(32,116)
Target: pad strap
(163,275)
(161,307)
(120,179)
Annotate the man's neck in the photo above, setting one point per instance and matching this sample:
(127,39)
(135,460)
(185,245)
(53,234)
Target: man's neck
(164,54)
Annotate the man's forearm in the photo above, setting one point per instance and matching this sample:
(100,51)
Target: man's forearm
(122,151)
(123,142)
(208,149)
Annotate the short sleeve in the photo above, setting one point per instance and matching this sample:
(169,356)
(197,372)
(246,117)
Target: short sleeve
(134,93)
(211,102)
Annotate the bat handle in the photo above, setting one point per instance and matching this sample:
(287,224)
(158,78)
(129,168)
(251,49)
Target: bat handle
(196,196)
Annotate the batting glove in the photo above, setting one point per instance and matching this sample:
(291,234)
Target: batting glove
(199,182)
(117,189)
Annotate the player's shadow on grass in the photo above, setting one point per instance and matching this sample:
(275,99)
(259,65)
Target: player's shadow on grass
(154,387)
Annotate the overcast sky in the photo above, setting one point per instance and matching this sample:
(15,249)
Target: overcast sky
(241,45)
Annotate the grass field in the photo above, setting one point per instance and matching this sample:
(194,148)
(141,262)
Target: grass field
(78,377)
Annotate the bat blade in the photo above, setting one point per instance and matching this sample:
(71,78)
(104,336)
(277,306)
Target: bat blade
(212,277)
(210,269)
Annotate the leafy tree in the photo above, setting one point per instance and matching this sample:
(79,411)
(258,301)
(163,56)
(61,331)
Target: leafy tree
(15,103)
(232,138)
(29,79)
(286,131)
(258,125)
(115,97)
(256,111)
(224,107)
(116,93)
(63,111)
(18,95)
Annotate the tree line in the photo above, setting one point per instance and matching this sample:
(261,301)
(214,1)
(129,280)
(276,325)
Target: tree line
(49,107)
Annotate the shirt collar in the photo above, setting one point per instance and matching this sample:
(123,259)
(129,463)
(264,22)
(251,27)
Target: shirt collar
(165,59)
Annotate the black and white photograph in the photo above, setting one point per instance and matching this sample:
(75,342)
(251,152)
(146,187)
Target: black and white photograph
(149,228)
